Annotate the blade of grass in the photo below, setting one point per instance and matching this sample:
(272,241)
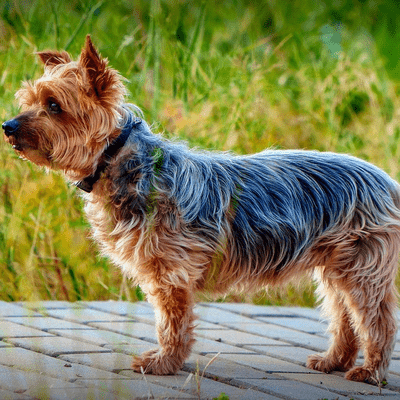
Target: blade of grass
(84,18)
(194,42)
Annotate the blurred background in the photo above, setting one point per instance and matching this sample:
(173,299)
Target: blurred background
(238,75)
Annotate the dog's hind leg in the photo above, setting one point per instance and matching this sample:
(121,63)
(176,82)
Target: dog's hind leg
(372,301)
(368,293)
(344,347)
(376,326)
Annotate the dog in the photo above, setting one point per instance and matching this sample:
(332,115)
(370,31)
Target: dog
(179,221)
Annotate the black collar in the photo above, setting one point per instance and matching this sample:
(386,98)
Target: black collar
(87,183)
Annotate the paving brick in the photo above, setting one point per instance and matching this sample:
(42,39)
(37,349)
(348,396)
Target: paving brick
(50,305)
(96,336)
(72,372)
(290,389)
(31,361)
(23,382)
(132,349)
(4,369)
(376,397)
(206,346)
(300,324)
(176,381)
(56,345)
(10,329)
(46,323)
(395,366)
(338,384)
(106,361)
(288,353)
(313,313)
(393,381)
(315,342)
(210,389)
(104,390)
(10,395)
(15,310)
(397,347)
(234,337)
(208,325)
(130,328)
(218,316)
(84,315)
(132,389)
(250,310)
(222,368)
(76,393)
(123,308)
(265,363)
(15,356)
(141,311)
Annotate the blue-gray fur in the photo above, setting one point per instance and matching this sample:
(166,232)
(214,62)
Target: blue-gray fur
(280,201)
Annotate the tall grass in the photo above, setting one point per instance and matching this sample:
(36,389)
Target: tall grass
(239,76)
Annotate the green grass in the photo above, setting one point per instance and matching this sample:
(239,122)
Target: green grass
(239,76)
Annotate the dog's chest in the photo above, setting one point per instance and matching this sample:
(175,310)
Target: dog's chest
(117,237)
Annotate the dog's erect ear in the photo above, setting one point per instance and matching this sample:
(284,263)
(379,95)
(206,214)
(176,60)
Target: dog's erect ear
(53,58)
(96,67)
(91,59)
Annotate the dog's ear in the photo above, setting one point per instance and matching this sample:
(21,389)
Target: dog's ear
(96,68)
(53,58)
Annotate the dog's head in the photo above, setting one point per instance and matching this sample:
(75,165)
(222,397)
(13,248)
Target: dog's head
(70,114)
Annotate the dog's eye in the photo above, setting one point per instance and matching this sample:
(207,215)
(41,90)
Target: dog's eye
(54,108)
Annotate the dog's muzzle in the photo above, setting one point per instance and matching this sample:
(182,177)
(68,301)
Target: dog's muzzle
(10,127)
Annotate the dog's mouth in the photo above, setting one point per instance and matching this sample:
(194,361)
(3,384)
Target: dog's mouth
(11,130)
(15,144)
(26,148)
(18,148)
(18,136)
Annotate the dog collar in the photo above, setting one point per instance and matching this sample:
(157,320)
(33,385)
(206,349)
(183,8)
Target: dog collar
(87,183)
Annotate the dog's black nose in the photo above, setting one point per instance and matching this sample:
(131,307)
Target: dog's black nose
(10,127)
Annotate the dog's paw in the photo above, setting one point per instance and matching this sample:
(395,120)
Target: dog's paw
(156,363)
(324,364)
(361,374)
(318,363)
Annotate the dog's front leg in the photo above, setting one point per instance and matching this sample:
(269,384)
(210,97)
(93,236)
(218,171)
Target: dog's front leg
(174,323)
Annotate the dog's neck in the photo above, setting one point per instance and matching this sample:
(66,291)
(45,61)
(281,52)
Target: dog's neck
(111,150)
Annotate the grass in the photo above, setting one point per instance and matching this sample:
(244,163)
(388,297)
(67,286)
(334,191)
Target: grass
(239,76)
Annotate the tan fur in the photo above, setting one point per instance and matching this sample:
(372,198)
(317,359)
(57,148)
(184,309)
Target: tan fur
(355,264)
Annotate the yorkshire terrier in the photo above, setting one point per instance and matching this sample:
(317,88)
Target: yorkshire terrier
(179,221)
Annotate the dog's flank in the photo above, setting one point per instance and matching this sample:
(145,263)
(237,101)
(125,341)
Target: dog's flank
(179,221)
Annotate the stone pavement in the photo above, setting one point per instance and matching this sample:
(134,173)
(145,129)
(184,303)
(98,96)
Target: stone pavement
(61,350)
